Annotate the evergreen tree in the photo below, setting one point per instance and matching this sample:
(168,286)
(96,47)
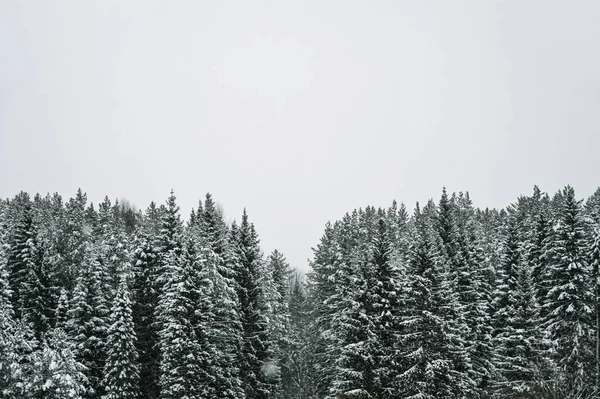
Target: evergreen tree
(146,294)
(255,355)
(218,327)
(325,282)
(538,258)
(62,309)
(18,348)
(276,288)
(121,372)
(384,304)
(462,284)
(171,229)
(20,254)
(569,301)
(56,374)
(88,322)
(225,329)
(594,252)
(8,363)
(517,338)
(474,294)
(76,232)
(428,339)
(297,362)
(184,369)
(355,335)
(37,298)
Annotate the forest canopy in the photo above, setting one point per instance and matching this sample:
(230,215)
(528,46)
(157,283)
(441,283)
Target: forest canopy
(443,301)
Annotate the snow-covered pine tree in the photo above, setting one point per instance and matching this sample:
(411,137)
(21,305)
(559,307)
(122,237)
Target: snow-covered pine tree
(37,295)
(7,331)
(88,322)
(297,363)
(518,341)
(537,255)
(474,293)
(112,244)
(325,301)
(355,332)
(384,305)
(18,348)
(215,328)
(168,244)
(55,372)
(276,288)
(365,324)
(594,256)
(20,250)
(121,371)
(61,316)
(145,294)
(429,343)
(77,231)
(255,367)
(220,255)
(569,301)
(592,208)
(184,369)
(462,289)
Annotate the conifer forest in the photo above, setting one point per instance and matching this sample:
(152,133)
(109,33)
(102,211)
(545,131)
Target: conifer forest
(435,300)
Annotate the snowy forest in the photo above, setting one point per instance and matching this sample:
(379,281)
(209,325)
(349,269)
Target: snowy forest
(445,300)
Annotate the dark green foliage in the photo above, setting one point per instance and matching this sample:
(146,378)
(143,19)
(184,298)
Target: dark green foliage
(255,355)
(88,322)
(146,294)
(453,302)
(121,371)
(518,341)
(427,343)
(569,301)
(185,369)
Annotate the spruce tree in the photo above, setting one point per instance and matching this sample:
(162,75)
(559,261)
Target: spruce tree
(276,288)
(297,361)
(76,231)
(462,283)
(254,356)
(56,374)
(594,255)
(146,294)
(475,295)
(569,301)
(61,314)
(88,322)
(121,371)
(518,342)
(219,256)
(8,362)
(21,252)
(184,370)
(326,298)
(355,335)
(384,305)
(428,341)
(218,327)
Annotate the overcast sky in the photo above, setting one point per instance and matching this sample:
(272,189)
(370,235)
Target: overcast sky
(299,111)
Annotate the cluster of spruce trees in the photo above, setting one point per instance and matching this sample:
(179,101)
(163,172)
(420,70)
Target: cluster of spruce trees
(457,302)
(112,303)
(449,302)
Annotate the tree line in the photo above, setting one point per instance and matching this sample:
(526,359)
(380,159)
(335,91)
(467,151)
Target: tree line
(448,301)
(115,303)
(458,302)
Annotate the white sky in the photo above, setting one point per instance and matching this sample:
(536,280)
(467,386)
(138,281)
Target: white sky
(302,110)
